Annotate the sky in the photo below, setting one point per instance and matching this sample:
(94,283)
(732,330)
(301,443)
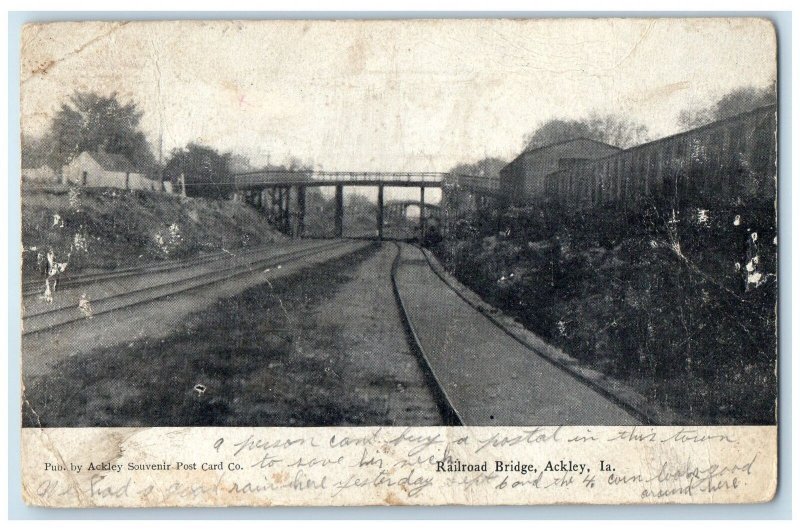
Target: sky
(388,95)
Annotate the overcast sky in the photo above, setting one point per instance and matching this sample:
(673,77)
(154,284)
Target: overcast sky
(387,95)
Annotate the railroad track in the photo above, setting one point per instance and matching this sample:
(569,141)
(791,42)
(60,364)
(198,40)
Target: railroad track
(633,409)
(49,319)
(141,275)
(450,414)
(33,287)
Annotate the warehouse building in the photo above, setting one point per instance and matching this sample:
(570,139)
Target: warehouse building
(729,160)
(525,176)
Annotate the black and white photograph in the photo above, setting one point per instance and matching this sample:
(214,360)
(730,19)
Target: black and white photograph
(562,222)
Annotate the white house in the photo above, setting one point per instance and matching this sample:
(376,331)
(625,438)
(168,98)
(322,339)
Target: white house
(43,173)
(106,169)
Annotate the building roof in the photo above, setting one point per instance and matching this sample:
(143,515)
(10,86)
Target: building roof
(558,144)
(569,141)
(711,125)
(113,162)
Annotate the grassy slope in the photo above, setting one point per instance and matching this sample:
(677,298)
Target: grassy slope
(104,228)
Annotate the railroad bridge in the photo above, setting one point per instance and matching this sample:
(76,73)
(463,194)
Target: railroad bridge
(282,192)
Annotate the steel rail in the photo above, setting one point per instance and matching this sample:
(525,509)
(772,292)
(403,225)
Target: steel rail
(163,290)
(449,412)
(227,266)
(31,287)
(631,409)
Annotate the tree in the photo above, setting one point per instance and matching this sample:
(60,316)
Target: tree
(240,164)
(206,171)
(488,167)
(92,122)
(36,150)
(456,201)
(610,129)
(737,101)
(295,164)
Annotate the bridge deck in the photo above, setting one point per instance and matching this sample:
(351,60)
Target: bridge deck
(267,178)
(333,178)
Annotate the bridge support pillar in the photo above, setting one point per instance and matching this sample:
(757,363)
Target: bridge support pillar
(286,214)
(276,207)
(273,196)
(380,212)
(338,221)
(300,213)
(421,215)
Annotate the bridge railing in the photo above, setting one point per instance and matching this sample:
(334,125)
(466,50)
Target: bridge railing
(243,180)
(279,177)
(480,184)
(404,203)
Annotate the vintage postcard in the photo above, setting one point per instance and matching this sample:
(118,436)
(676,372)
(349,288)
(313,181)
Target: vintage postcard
(399,262)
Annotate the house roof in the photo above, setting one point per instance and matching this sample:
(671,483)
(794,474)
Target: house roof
(113,162)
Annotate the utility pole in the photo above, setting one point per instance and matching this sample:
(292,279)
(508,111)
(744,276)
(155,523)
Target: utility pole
(160,160)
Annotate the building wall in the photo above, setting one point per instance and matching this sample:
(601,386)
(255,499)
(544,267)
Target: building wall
(97,176)
(526,175)
(729,159)
(138,181)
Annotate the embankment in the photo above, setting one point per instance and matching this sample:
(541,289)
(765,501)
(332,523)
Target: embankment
(103,228)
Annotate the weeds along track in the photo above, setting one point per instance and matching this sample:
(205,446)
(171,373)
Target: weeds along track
(55,317)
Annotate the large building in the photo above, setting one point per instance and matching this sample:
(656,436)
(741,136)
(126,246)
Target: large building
(108,170)
(727,160)
(525,176)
